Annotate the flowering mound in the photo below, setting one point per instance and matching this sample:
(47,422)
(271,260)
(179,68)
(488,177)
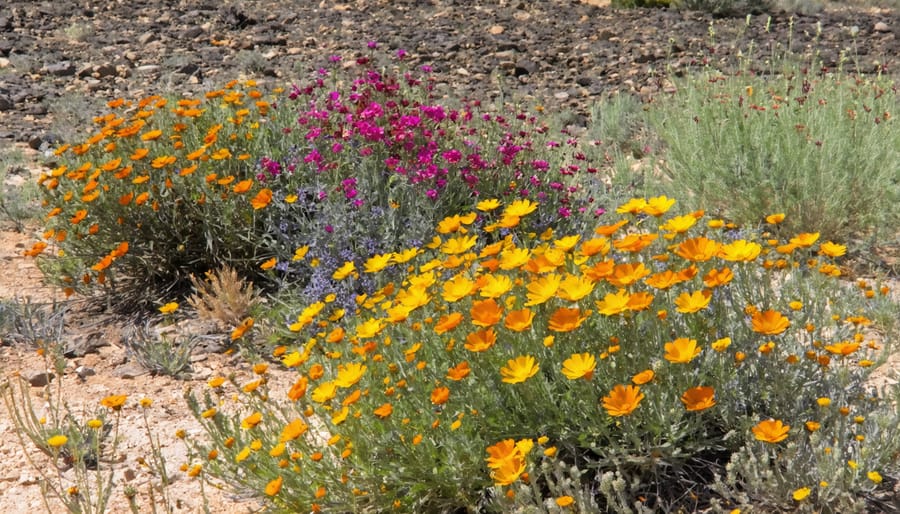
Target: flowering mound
(357,162)
(499,367)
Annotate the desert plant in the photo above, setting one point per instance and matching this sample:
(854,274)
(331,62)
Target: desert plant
(650,353)
(823,147)
(223,296)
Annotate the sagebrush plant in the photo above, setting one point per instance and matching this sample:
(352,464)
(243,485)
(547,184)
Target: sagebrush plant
(822,147)
(504,364)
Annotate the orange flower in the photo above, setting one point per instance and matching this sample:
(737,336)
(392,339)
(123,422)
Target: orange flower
(262,199)
(481,340)
(622,400)
(293,430)
(448,322)
(242,186)
(440,395)
(623,275)
(519,320)
(698,398)
(643,377)
(634,243)
(769,323)
(384,411)
(698,249)
(771,431)
(274,486)
(717,278)
(486,313)
(459,372)
(79,216)
(567,320)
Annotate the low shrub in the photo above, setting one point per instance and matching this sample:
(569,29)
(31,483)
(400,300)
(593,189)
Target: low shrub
(663,362)
(823,148)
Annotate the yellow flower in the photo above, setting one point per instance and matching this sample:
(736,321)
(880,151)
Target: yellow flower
(495,286)
(575,287)
(805,239)
(169,308)
(801,494)
(622,400)
(613,303)
(457,288)
(324,392)
(251,421)
(94,423)
(579,365)
(344,271)
(378,262)
(874,476)
(769,323)
(633,206)
(542,289)
(458,245)
(519,369)
(349,374)
(57,441)
(679,224)
(658,205)
(692,302)
(720,345)
(682,350)
(564,501)
(488,205)
(114,402)
(832,249)
(520,208)
(740,251)
(771,431)
(698,398)
(775,219)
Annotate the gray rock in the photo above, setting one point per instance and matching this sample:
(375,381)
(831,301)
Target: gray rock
(129,372)
(881,27)
(84,372)
(61,69)
(105,70)
(6,103)
(39,378)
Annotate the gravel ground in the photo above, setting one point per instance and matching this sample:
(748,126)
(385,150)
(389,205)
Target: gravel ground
(63,58)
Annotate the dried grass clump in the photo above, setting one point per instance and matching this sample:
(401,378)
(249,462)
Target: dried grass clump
(224,296)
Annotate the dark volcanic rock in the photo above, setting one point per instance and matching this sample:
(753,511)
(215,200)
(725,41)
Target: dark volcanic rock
(558,53)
